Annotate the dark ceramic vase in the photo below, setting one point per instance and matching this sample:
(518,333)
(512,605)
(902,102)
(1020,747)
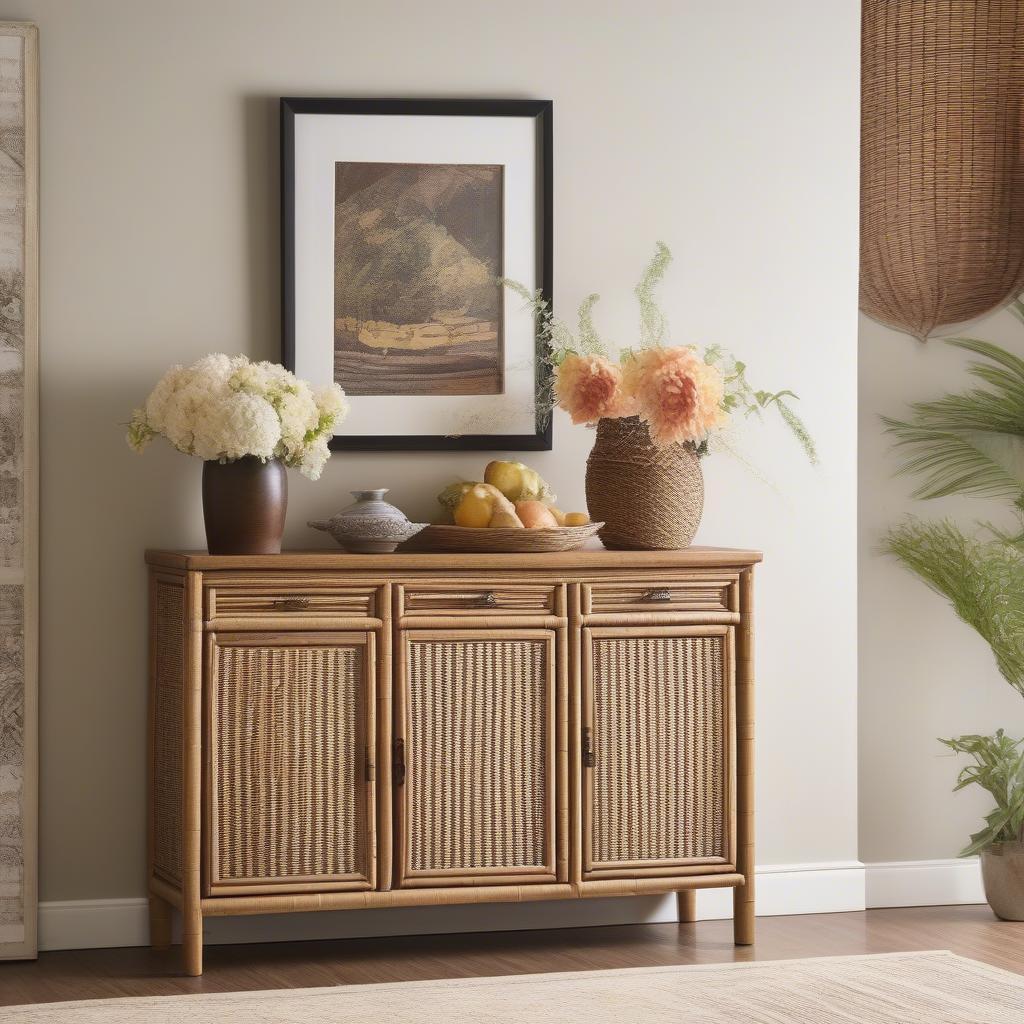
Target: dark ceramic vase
(244,505)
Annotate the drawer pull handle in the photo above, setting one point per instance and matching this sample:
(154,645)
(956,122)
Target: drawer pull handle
(657,594)
(488,600)
(292,604)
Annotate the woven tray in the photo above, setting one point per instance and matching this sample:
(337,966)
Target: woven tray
(462,538)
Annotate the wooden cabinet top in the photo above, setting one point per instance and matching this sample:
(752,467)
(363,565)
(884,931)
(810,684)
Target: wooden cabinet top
(595,557)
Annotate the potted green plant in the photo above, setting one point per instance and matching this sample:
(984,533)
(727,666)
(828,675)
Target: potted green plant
(972,442)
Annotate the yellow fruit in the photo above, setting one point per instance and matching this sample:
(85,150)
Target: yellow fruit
(535,515)
(475,509)
(576,519)
(499,499)
(558,514)
(517,481)
(453,494)
(505,520)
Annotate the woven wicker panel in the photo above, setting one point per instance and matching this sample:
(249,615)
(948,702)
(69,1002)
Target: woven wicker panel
(290,760)
(942,170)
(659,776)
(476,754)
(167,755)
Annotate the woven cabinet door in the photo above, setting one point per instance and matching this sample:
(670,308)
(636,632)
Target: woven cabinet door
(290,795)
(657,751)
(474,757)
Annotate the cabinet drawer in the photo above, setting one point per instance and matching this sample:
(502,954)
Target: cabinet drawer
(687,593)
(286,602)
(476,598)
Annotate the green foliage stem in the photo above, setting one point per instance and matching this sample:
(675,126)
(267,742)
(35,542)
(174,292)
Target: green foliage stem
(998,769)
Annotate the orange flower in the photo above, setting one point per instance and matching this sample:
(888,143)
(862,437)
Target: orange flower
(589,388)
(676,392)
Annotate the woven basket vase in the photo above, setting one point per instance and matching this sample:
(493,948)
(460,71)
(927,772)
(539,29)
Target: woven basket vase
(649,498)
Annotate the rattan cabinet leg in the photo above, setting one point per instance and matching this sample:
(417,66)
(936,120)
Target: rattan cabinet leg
(192,943)
(743,914)
(159,922)
(686,900)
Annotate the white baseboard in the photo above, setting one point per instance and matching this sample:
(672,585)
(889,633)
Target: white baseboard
(924,883)
(781,889)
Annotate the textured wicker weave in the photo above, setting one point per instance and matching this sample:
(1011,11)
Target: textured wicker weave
(169,640)
(942,171)
(648,497)
(290,761)
(476,754)
(659,767)
(462,538)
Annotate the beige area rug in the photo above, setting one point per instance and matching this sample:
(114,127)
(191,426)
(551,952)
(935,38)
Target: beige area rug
(894,988)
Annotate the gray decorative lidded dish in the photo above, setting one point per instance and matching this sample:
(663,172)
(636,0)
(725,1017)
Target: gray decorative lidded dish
(370,525)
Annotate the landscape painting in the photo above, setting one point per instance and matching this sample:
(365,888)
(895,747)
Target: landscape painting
(417,262)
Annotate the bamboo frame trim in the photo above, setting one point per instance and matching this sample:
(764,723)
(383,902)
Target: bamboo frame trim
(641,886)
(325,623)
(226,906)
(333,560)
(743,895)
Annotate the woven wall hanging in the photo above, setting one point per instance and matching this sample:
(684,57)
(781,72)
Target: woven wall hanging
(942,168)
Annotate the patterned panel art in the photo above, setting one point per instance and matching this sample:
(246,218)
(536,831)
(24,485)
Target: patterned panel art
(18,357)
(12,764)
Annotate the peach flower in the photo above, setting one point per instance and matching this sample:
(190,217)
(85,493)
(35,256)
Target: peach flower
(676,392)
(589,388)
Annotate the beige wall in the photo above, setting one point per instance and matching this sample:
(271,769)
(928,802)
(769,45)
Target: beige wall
(729,130)
(923,673)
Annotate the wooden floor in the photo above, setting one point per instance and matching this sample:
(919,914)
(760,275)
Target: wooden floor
(91,974)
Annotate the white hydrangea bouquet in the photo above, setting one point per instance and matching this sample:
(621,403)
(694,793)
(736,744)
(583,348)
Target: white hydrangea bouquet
(225,408)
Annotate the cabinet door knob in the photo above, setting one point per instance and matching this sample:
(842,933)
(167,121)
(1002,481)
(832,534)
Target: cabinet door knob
(292,604)
(657,594)
(587,747)
(489,599)
(398,763)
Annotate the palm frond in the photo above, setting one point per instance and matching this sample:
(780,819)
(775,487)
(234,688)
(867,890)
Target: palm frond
(983,580)
(971,442)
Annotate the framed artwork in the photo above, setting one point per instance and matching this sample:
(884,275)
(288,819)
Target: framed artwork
(399,220)
(19,486)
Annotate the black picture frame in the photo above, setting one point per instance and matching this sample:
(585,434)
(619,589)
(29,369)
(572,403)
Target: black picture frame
(541,112)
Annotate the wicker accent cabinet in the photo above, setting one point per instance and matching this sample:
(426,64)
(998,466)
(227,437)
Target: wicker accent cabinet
(332,731)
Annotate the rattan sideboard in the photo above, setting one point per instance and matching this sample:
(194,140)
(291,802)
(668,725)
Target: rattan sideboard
(332,731)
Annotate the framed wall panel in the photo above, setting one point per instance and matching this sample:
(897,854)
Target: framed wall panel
(19,486)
